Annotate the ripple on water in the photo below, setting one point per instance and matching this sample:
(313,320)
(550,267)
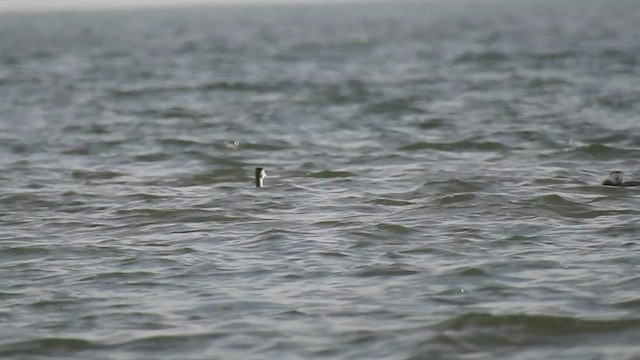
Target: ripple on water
(433,123)
(25,252)
(49,346)
(151,157)
(391,202)
(465,145)
(456,198)
(601,152)
(328,174)
(96,175)
(27,200)
(386,270)
(182,342)
(395,229)
(214,176)
(480,329)
(568,208)
(457,186)
(140,217)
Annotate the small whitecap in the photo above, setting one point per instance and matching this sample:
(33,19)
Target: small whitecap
(233,145)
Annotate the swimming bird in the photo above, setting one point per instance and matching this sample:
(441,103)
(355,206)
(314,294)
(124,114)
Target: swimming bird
(260,175)
(616,179)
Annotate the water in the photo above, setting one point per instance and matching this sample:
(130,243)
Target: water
(434,189)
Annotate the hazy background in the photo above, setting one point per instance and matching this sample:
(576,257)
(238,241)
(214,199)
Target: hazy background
(7,5)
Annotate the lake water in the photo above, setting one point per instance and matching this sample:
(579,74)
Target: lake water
(434,188)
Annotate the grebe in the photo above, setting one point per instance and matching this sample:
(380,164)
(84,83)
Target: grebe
(260,175)
(616,179)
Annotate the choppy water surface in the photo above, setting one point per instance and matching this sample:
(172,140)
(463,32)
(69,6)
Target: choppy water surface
(434,189)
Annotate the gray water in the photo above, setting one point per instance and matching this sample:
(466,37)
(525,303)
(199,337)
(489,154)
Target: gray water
(434,188)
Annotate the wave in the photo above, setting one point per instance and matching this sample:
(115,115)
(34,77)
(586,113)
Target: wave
(433,123)
(391,202)
(96,175)
(141,217)
(151,157)
(487,57)
(455,198)
(464,145)
(386,271)
(456,186)
(329,174)
(26,200)
(530,326)
(394,106)
(602,152)
(48,346)
(567,208)
(230,86)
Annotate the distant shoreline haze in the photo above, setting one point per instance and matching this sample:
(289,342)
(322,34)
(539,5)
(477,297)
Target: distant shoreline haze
(40,5)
